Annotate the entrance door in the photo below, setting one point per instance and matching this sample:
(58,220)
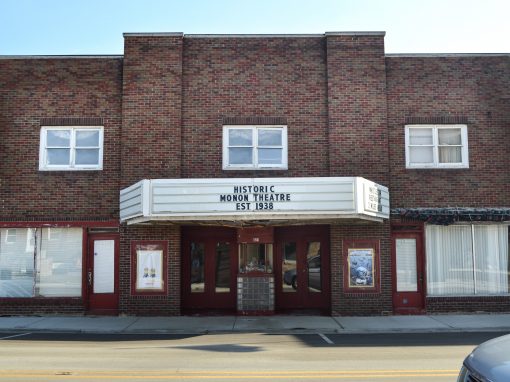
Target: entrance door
(302,276)
(102,274)
(408,273)
(209,266)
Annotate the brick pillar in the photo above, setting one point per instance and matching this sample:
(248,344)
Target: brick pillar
(151,148)
(168,304)
(356,75)
(151,107)
(360,304)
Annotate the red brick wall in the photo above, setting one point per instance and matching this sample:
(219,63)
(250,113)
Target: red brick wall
(358,141)
(471,90)
(359,304)
(41,305)
(151,108)
(163,108)
(144,305)
(496,304)
(33,89)
(474,89)
(254,77)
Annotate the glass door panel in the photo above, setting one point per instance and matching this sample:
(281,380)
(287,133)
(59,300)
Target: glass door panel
(405,250)
(313,264)
(222,268)
(289,268)
(197,267)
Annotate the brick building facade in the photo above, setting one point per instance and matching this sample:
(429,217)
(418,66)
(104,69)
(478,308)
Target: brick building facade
(250,175)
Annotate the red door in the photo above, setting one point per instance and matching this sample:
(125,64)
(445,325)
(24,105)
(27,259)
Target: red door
(209,266)
(102,274)
(408,281)
(302,275)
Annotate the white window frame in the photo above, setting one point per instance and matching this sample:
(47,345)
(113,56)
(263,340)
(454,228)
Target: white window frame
(43,160)
(255,165)
(435,147)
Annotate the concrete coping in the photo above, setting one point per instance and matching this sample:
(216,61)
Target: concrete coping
(447,54)
(153,34)
(57,57)
(259,35)
(311,35)
(120,56)
(367,33)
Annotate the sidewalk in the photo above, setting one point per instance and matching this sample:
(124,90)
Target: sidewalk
(273,324)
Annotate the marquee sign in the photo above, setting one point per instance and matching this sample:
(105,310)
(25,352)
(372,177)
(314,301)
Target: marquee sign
(254,199)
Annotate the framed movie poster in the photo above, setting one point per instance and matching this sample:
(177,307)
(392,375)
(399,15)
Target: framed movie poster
(149,270)
(360,262)
(361,266)
(148,267)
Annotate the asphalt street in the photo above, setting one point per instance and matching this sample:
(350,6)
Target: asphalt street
(43,356)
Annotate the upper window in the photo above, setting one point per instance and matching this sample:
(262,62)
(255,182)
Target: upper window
(71,148)
(436,146)
(254,147)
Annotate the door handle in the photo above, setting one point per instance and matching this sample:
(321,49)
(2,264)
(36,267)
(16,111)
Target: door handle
(89,277)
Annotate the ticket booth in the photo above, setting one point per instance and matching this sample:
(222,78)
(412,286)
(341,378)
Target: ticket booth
(255,279)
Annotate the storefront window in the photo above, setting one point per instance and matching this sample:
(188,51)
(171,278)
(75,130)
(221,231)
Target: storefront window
(255,258)
(33,266)
(59,264)
(467,260)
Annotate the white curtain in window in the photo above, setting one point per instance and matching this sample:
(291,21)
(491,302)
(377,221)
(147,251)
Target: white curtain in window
(467,260)
(449,260)
(450,154)
(16,262)
(450,141)
(59,264)
(491,258)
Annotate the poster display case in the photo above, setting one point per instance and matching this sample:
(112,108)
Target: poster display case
(149,259)
(361,266)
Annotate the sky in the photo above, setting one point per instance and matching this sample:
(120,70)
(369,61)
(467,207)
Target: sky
(68,27)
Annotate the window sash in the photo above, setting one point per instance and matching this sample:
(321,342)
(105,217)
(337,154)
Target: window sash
(73,148)
(438,155)
(257,162)
(78,131)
